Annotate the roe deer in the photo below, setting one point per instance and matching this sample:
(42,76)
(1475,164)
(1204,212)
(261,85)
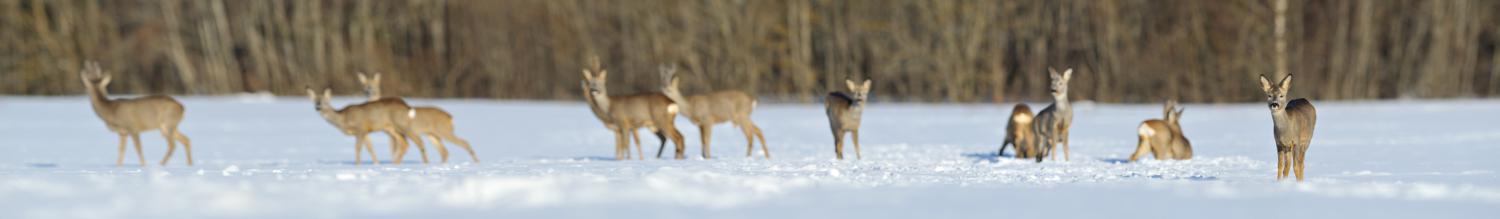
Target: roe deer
(623,114)
(1163,138)
(130,117)
(1051,124)
(359,120)
(1294,122)
(427,122)
(844,111)
(705,110)
(1018,133)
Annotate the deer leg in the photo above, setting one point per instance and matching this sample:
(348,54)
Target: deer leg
(620,142)
(121,161)
(1301,152)
(398,152)
(1037,149)
(421,147)
(187,145)
(1066,155)
(749,139)
(1292,162)
(636,137)
(1010,138)
(401,139)
(398,155)
(461,143)
(359,144)
(764,149)
(1052,146)
(166,132)
(1141,148)
(436,144)
(838,144)
(640,151)
(857,154)
(706,130)
(1282,164)
(678,141)
(370,148)
(136,137)
(661,137)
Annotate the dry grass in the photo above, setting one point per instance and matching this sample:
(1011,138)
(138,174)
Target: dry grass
(958,51)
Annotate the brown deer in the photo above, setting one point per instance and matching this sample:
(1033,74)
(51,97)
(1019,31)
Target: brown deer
(359,120)
(128,117)
(1052,123)
(624,114)
(428,122)
(1018,133)
(844,111)
(1163,138)
(705,110)
(1294,122)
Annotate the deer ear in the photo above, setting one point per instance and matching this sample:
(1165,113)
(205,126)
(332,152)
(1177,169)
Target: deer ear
(1286,83)
(327,93)
(1067,75)
(603,73)
(866,87)
(674,82)
(104,81)
(362,78)
(587,75)
(1265,84)
(312,94)
(851,85)
(376,78)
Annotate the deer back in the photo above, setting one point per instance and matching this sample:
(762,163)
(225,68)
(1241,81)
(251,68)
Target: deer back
(718,107)
(375,115)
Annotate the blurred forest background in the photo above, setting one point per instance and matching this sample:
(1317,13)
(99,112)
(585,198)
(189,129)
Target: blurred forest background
(923,51)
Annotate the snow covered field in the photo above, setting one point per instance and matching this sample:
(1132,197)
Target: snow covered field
(274,157)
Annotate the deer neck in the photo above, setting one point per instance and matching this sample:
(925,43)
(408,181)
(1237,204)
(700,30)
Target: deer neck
(856,108)
(1063,106)
(334,117)
(1279,118)
(600,105)
(100,101)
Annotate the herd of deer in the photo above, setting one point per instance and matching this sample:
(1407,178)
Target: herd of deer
(1033,135)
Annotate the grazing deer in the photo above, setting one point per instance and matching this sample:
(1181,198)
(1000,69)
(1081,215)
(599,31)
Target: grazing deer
(623,114)
(1018,133)
(705,110)
(428,122)
(844,110)
(1294,121)
(1052,123)
(1163,138)
(359,120)
(130,117)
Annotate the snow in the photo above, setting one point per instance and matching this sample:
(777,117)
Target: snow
(260,156)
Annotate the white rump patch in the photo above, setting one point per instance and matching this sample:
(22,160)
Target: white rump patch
(411,113)
(672,108)
(1021,118)
(1145,130)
